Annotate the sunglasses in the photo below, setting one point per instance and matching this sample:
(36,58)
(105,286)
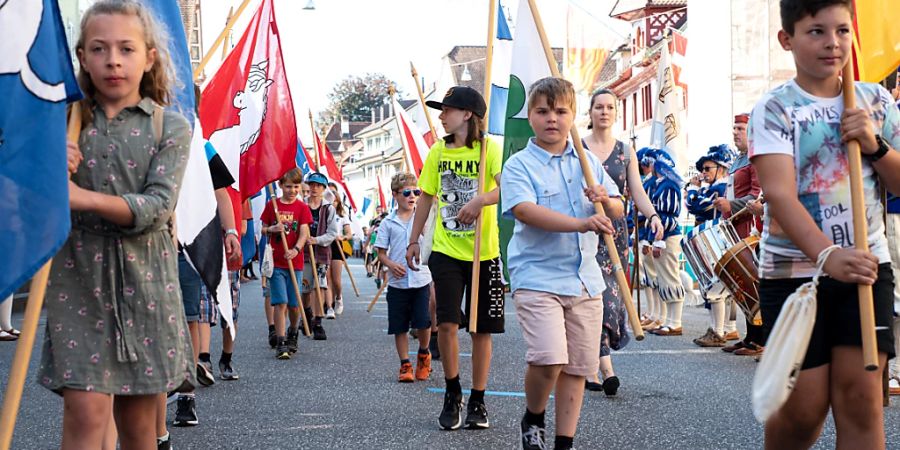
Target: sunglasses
(408,192)
(708,168)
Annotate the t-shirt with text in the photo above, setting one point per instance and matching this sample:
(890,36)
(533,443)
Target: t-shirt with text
(292,216)
(793,122)
(451,176)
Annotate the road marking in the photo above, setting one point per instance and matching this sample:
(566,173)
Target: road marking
(467,355)
(379,316)
(668,352)
(492,393)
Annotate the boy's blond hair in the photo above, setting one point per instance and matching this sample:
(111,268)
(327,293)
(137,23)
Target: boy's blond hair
(293,176)
(554,90)
(401,180)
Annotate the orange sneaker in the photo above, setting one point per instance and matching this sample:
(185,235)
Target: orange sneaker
(423,366)
(406,373)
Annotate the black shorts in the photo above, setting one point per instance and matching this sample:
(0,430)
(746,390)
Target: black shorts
(408,308)
(335,251)
(452,278)
(837,313)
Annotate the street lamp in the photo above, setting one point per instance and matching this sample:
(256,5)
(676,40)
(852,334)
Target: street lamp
(309,6)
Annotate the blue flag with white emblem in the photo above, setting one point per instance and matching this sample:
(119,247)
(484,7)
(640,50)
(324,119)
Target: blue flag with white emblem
(36,81)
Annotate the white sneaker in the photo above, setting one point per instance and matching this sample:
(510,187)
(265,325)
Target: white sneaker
(339,306)
(330,313)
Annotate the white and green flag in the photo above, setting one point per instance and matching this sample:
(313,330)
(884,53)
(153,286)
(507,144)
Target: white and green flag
(528,65)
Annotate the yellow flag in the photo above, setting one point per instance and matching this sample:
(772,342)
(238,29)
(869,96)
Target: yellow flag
(876,39)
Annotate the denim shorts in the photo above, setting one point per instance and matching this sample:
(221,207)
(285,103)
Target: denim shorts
(408,307)
(190,283)
(281,287)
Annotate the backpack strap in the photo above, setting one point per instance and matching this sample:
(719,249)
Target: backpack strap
(156,119)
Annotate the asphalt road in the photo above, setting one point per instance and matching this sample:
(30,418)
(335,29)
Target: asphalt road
(342,393)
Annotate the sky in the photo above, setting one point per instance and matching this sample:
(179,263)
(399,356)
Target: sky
(352,37)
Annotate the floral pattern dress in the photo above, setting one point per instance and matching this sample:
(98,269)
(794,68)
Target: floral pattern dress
(614,336)
(115,320)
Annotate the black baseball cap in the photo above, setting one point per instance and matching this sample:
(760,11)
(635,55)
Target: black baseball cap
(461,97)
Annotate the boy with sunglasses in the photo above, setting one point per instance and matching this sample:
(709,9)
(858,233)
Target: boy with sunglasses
(408,291)
(701,201)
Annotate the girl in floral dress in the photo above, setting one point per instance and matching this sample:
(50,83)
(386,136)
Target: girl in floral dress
(115,321)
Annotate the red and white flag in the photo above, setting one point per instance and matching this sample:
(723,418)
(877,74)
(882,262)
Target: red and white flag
(678,49)
(326,158)
(246,109)
(413,140)
(381,195)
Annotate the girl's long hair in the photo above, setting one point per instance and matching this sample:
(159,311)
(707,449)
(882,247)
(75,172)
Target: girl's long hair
(159,82)
(473,131)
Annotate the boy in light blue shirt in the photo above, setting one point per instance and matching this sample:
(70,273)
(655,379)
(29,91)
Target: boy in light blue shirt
(409,291)
(556,280)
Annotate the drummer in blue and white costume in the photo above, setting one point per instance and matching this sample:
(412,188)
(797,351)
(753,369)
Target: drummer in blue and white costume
(710,184)
(656,312)
(664,190)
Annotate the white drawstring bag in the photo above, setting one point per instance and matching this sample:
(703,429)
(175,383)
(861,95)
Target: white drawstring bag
(427,238)
(786,347)
(268,262)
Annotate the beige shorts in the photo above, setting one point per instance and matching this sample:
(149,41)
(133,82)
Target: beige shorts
(561,330)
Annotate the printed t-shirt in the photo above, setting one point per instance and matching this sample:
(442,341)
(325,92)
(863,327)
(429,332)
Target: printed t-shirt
(793,122)
(451,176)
(292,215)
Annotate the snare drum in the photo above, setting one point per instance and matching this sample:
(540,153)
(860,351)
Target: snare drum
(738,271)
(706,245)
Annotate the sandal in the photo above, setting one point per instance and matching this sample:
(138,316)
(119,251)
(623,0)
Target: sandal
(7,337)
(667,331)
(13,332)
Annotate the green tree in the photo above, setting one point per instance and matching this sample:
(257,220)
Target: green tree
(356,97)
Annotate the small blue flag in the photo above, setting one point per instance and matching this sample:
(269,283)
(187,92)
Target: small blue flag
(302,162)
(37,81)
(366,202)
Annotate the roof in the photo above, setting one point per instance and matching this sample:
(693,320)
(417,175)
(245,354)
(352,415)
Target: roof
(636,9)
(473,57)
(406,104)
(333,138)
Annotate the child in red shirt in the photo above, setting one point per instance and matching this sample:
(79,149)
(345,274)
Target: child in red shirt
(293,218)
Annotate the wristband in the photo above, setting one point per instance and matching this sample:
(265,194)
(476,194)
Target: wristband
(411,243)
(882,150)
(655,215)
(232,231)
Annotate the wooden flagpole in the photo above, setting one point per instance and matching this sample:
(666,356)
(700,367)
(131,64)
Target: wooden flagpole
(218,41)
(19,367)
(860,229)
(349,274)
(403,144)
(290,262)
(476,254)
(228,34)
(637,262)
(384,282)
(415,76)
(315,277)
(633,318)
(312,128)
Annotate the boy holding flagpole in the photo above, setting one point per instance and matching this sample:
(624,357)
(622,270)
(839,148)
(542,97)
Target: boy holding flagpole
(556,279)
(797,137)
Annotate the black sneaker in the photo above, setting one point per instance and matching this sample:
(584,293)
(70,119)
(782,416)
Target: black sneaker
(477,416)
(533,437)
(292,340)
(273,339)
(227,372)
(186,414)
(319,332)
(282,351)
(204,374)
(164,445)
(451,415)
